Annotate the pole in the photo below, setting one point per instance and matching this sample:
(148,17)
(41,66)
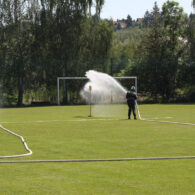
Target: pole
(90,89)
(58,89)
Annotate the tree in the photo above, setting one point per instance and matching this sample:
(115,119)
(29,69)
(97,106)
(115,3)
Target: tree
(191,34)
(16,44)
(129,21)
(157,62)
(152,49)
(41,40)
(190,62)
(147,20)
(173,17)
(99,4)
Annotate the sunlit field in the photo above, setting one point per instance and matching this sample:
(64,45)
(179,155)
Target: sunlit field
(66,132)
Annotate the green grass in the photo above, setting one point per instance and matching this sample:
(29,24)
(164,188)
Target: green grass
(65,132)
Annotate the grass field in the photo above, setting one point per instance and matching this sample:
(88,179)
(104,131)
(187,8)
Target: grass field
(65,132)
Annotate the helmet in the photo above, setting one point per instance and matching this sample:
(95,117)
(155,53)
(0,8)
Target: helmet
(133,88)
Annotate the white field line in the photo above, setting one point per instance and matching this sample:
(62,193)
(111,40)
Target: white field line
(48,121)
(170,122)
(157,118)
(87,120)
(23,141)
(179,123)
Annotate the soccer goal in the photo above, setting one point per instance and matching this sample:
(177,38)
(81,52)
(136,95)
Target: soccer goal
(66,84)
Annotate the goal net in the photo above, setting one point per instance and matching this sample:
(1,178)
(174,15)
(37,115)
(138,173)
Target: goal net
(69,90)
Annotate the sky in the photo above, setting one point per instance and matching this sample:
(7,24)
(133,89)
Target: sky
(118,9)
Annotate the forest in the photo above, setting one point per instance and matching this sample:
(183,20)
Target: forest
(45,39)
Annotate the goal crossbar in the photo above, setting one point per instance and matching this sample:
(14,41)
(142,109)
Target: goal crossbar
(85,78)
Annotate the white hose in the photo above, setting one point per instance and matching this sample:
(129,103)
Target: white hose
(191,124)
(23,141)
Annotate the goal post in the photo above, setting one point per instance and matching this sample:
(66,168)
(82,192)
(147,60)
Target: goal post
(85,78)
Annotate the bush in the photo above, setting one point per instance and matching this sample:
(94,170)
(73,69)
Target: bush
(189,93)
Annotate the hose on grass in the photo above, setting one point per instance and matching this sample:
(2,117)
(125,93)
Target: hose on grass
(99,160)
(23,141)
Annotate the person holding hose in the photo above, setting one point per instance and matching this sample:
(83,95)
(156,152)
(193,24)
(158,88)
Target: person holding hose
(131,101)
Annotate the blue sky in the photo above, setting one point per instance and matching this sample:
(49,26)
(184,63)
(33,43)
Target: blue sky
(118,9)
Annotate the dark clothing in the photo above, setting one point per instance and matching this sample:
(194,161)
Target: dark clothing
(131,98)
(131,107)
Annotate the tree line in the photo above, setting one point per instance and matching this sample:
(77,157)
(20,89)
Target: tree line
(163,56)
(41,40)
(44,39)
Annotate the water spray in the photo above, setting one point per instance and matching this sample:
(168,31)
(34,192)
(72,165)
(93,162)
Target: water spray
(103,86)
